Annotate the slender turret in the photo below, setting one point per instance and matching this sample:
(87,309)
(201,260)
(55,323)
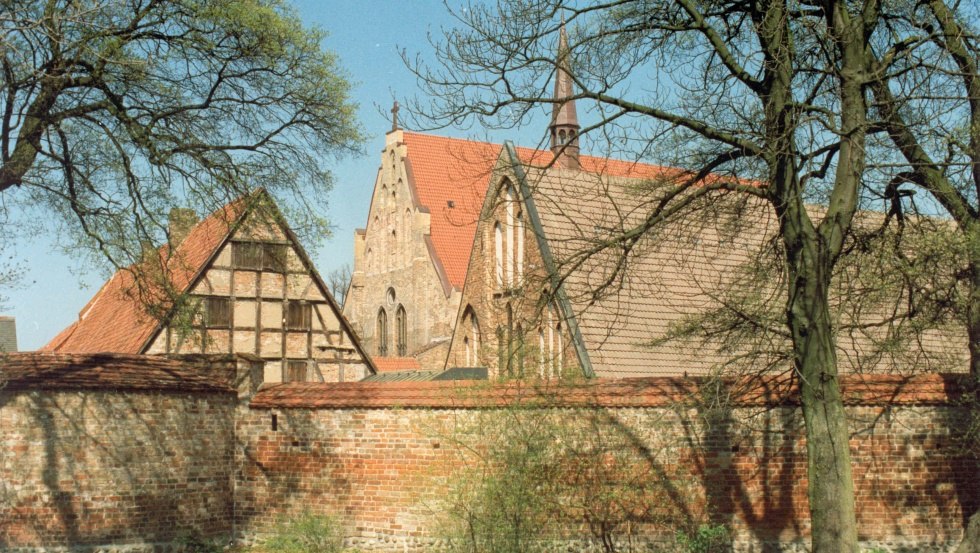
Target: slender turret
(564,119)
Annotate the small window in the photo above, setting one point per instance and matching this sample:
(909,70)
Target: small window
(217,312)
(246,255)
(295,371)
(259,256)
(299,316)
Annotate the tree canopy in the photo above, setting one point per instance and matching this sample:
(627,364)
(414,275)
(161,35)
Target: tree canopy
(771,100)
(114,111)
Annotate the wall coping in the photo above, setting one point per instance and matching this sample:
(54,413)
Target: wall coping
(113,372)
(770,391)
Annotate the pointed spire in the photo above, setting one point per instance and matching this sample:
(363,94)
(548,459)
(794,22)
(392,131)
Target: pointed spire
(564,118)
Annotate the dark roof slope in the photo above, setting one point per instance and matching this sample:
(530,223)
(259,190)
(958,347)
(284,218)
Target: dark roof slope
(105,371)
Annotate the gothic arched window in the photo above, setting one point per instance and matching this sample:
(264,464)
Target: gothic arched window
(509,256)
(519,230)
(401,331)
(471,337)
(381,332)
(498,251)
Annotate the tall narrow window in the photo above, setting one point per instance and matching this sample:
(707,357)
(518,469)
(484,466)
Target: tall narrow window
(381,332)
(498,251)
(561,351)
(509,337)
(520,351)
(519,230)
(509,256)
(542,370)
(401,331)
(471,339)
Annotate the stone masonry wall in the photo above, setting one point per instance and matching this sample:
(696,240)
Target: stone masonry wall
(385,462)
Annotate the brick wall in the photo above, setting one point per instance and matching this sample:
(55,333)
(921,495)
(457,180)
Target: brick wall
(384,457)
(135,451)
(114,449)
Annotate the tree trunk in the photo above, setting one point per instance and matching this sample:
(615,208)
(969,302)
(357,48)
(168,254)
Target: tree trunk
(831,488)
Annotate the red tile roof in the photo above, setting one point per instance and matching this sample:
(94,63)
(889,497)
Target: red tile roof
(456,170)
(391,364)
(924,389)
(115,319)
(105,371)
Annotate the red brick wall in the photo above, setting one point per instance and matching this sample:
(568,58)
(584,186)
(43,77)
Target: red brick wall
(93,467)
(381,457)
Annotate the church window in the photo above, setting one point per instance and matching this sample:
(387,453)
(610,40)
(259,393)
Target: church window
(401,331)
(217,312)
(299,316)
(561,137)
(542,368)
(509,257)
(296,370)
(520,247)
(520,351)
(471,339)
(383,197)
(560,357)
(390,296)
(382,332)
(498,249)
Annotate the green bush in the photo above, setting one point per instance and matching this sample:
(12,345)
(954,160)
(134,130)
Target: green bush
(193,543)
(307,533)
(707,539)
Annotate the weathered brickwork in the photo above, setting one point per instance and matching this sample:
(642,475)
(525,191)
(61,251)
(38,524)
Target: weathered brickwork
(91,468)
(94,456)
(387,469)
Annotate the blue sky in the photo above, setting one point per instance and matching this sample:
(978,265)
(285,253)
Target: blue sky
(367,36)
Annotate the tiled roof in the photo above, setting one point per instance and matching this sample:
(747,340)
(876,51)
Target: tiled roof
(115,319)
(681,268)
(628,392)
(401,376)
(388,364)
(456,170)
(103,371)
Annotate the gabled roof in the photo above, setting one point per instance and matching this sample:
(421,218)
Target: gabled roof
(116,320)
(683,267)
(444,170)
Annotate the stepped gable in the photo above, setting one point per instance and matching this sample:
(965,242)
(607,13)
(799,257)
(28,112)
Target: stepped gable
(115,318)
(456,170)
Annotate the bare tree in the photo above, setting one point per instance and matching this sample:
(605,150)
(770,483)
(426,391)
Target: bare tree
(338,280)
(764,99)
(113,111)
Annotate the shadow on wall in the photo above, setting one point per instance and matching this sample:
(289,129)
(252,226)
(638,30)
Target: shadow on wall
(98,467)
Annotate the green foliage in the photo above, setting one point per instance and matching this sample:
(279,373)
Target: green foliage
(194,543)
(707,538)
(535,478)
(185,102)
(307,533)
